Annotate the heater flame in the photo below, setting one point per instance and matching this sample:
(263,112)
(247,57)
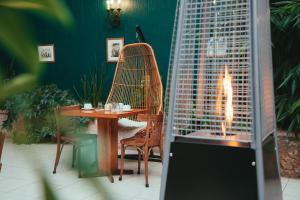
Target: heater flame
(229,95)
(225,85)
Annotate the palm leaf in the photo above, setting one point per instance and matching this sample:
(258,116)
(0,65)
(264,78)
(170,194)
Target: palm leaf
(53,9)
(17,37)
(295,106)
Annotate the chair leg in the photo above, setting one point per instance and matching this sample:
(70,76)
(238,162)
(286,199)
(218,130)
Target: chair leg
(73,156)
(122,161)
(146,156)
(161,153)
(139,162)
(59,149)
(79,162)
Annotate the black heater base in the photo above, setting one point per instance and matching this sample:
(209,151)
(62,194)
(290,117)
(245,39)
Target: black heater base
(213,172)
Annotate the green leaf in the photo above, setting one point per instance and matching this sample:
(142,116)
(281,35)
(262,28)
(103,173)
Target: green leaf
(16,36)
(286,80)
(291,126)
(294,86)
(295,106)
(52,9)
(48,191)
(17,84)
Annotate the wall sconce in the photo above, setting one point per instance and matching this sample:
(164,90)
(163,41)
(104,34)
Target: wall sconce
(114,11)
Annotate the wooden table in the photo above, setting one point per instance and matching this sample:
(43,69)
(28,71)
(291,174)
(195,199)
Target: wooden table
(107,126)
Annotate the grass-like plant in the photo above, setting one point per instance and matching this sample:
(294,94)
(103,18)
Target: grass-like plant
(91,87)
(285,17)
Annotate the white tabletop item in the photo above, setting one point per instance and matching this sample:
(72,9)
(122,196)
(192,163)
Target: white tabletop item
(121,106)
(126,108)
(108,106)
(87,106)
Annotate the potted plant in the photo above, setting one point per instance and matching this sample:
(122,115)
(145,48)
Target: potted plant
(31,118)
(286,21)
(288,117)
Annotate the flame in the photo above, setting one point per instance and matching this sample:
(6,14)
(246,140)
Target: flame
(225,87)
(228,92)
(220,96)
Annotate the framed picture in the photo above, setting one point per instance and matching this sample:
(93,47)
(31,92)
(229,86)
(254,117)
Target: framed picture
(113,47)
(46,53)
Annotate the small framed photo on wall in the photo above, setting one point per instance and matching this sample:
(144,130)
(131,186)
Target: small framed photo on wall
(113,47)
(46,53)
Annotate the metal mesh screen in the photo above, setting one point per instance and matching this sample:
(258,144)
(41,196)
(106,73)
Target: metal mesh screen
(171,63)
(268,124)
(213,81)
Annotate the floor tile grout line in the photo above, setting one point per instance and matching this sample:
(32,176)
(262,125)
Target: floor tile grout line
(287,182)
(16,188)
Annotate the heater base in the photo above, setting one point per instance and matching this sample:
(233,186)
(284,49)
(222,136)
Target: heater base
(208,172)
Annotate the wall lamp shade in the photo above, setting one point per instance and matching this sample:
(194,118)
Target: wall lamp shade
(114,11)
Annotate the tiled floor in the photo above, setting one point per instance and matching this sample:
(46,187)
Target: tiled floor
(20,178)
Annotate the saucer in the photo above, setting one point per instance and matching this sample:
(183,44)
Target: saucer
(87,108)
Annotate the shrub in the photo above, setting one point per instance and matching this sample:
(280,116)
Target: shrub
(36,108)
(286,39)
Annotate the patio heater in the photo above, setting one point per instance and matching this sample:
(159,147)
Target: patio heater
(220,122)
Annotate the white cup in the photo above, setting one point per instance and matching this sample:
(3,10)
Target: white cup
(87,106)
(121,106)
(108,106)
(126,108)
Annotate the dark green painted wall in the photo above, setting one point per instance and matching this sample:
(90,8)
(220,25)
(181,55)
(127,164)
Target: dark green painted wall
(82,48)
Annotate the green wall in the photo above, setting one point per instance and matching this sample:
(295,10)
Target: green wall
(82,48)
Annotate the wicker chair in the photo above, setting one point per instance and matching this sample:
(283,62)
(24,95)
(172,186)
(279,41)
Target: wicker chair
(69,133)
(137,82)
(144,141)
(2,138)
(3,118)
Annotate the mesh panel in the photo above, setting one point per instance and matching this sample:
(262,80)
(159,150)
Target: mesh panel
(266,71)
(213,97)
(171,62)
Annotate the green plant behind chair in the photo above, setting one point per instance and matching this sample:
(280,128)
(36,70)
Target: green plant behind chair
(91,87)
(286,38)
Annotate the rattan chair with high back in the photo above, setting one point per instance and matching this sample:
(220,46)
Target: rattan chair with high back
(69,133)
(137,82)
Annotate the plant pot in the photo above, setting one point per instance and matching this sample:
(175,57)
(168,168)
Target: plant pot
(289,154)
(3,116)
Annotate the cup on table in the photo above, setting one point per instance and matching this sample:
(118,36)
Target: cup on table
(115,107)
(126,108)
(100,105)
(108,107)
(121,106)
(87,106)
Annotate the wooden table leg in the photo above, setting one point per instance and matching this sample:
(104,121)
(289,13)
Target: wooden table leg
(108,146)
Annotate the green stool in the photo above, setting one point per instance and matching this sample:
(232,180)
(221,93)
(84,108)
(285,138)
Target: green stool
(85,154)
